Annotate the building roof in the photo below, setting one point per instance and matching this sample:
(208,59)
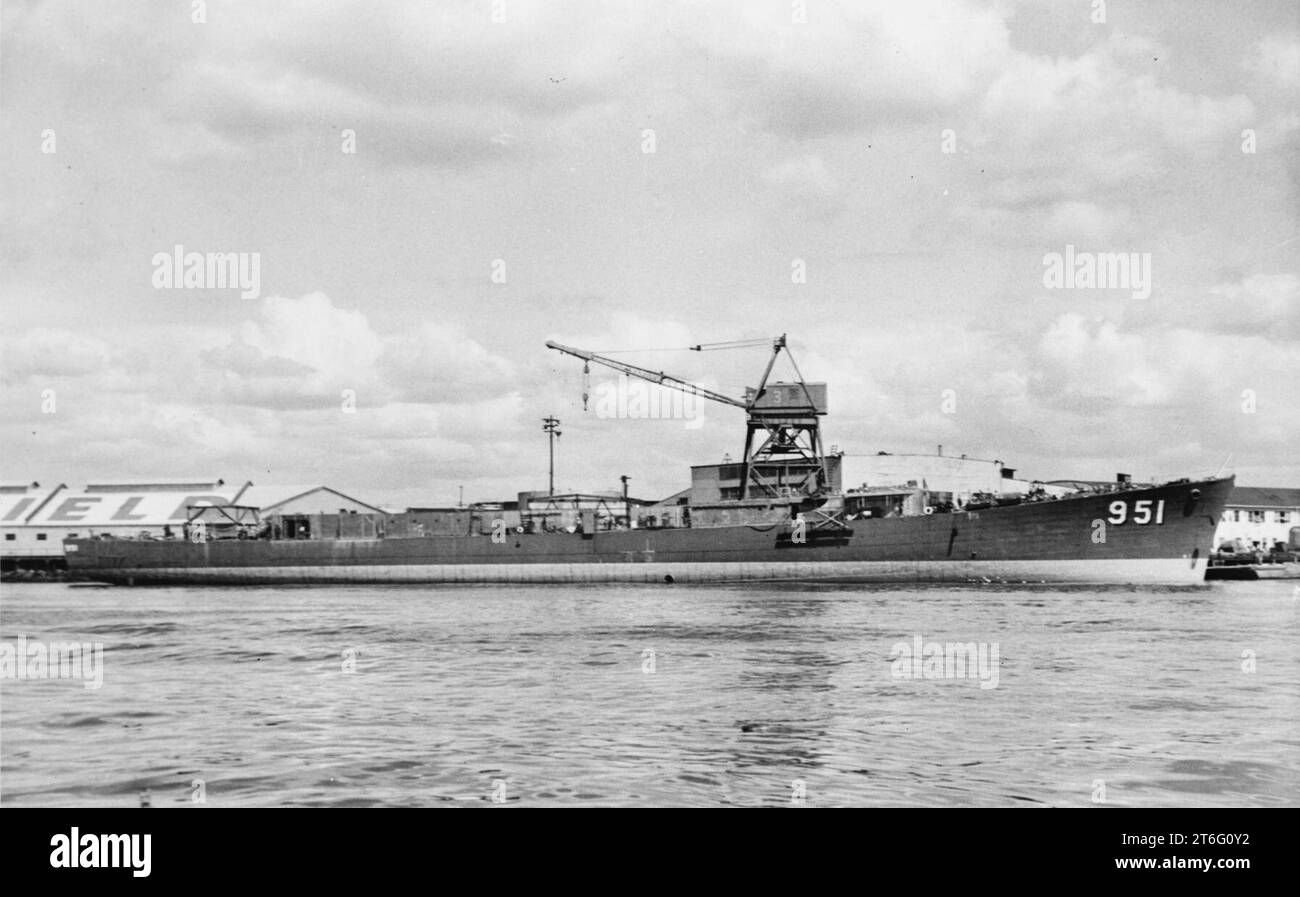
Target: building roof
(268,498)
(675,497)
(957,457)
(1264,497)
(192,484)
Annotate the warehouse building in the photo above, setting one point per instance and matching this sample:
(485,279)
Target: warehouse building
(18,503)
(35,520)
(312,512)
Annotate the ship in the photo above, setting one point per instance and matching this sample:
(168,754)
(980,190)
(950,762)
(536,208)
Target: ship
(782,513)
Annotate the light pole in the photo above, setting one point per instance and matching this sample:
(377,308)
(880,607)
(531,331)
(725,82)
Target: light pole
(627,508)
(551,426)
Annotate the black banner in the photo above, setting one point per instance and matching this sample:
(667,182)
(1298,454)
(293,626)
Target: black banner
(214,847)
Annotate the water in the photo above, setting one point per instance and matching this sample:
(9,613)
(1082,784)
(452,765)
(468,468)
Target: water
(753,695)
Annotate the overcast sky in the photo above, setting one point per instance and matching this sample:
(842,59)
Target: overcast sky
(643,176)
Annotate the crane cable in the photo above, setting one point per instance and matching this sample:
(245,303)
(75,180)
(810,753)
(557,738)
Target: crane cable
(702,347)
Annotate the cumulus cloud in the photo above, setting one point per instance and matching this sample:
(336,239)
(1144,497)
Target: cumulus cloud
(303,353)
(1083,361)
(1090,109)
(440,363)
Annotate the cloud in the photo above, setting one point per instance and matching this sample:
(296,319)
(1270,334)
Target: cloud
(1059,129)
(777,139)
(1267,305)
(1081,361)
(845,65)
(1072,221)
(1277,60)
(419,83)
(439,363)
(301,354)
(240,358)
(314,333)
(48,352)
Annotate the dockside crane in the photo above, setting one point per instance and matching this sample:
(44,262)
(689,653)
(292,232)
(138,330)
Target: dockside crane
(783,447)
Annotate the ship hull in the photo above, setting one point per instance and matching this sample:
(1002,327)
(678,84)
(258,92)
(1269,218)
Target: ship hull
(1161,535)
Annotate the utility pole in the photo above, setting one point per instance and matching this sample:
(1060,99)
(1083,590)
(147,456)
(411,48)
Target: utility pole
(627,507)
(551,426)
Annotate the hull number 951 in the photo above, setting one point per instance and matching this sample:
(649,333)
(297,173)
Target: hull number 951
(1144,511)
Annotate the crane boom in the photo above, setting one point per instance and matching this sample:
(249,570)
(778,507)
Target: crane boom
(658,377)
(783,448)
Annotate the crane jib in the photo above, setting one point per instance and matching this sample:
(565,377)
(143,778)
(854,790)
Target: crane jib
(783,448)
(645,374)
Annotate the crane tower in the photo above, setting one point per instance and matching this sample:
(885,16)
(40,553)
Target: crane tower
(783,455)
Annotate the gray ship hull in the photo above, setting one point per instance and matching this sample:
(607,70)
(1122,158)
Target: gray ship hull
(1159,535)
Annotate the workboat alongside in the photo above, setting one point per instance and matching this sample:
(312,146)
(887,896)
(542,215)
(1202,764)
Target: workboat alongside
(786,516)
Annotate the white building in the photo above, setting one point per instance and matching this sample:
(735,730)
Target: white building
(20,502)
(1259,517)
(35,521)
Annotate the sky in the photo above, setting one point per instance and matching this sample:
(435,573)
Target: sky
(431,191)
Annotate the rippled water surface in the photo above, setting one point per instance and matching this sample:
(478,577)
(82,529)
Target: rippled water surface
(665,695)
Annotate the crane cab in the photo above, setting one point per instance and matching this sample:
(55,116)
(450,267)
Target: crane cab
(787,397)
